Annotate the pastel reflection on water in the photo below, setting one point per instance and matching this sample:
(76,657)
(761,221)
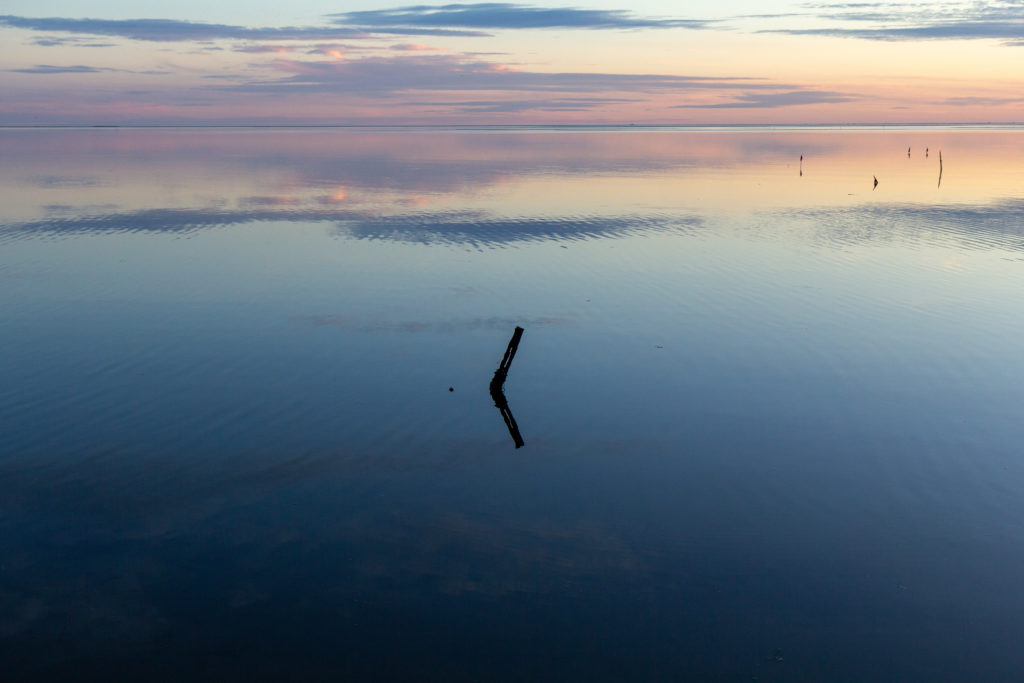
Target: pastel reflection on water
(771,416)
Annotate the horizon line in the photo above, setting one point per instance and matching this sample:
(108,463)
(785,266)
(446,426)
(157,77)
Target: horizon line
(511,125)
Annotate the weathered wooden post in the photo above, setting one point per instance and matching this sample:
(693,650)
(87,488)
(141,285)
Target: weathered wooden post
(498,382)
(510,352)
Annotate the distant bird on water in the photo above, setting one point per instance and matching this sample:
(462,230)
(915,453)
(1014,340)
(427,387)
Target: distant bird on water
(876,182)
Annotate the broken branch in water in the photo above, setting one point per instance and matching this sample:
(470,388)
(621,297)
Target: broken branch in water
(498,383)
(501,374)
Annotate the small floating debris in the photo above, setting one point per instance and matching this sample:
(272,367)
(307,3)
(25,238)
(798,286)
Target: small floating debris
(876,182)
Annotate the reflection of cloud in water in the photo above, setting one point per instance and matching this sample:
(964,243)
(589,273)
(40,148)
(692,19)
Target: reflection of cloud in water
(119,542)
(458,554)
(148,220)
(472,228)
(440,326)
(430,161)
(484,230)
(998,225)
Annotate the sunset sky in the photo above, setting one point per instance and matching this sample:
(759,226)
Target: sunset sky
(607,62)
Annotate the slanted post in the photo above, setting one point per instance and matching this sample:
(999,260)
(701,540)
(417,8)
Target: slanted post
(498,381)
(501,374)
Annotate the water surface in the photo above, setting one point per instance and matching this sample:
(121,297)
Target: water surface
(771,412)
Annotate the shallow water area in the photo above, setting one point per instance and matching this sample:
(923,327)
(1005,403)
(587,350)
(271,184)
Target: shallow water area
(771,411)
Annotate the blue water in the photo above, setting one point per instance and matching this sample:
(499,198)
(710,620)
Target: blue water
(772,415)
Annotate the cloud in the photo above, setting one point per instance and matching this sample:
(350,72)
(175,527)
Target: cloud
(520,105)
(51,69)
(65,181)
(169,30)
(503,15)
(416,73)
(770,100)
(337,49)
(412,47)
(67,41)
(264,49)
(982,101)
(80,69)
(1010,33)
(1003,21)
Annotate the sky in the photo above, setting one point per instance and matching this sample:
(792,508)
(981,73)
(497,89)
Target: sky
(310,62)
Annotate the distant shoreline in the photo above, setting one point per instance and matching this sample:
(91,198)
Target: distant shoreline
(759,127)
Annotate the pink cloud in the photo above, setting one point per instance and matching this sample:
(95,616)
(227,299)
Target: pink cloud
(261,49)
(414,47)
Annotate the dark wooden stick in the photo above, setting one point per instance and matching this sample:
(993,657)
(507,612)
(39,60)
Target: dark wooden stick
(501,374)
(497,391)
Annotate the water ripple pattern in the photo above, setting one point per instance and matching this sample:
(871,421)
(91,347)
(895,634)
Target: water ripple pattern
(473,229)
(997,225)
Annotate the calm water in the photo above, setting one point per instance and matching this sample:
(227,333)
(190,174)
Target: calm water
(772,421)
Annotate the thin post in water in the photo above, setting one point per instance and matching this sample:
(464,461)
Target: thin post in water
(498,382)
(501,374)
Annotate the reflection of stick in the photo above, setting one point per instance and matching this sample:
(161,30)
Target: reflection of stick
(498,382)
(510,422)
(940,168)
